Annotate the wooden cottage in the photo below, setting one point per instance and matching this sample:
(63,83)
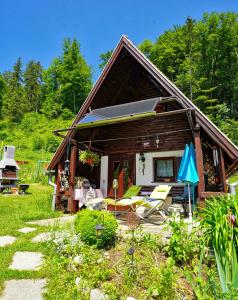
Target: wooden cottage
(139,122)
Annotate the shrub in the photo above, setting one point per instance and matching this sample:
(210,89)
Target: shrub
(183,243)
(86,221)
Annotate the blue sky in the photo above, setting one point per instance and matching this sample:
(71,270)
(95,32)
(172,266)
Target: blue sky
(34,29)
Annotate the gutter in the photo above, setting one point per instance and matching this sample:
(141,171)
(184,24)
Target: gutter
(50,174)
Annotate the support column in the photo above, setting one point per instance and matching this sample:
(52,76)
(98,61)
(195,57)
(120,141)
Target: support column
(199,159)
(58,184)
(72,169)
(223,171)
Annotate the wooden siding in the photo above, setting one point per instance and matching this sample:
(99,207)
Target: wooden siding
(173,132)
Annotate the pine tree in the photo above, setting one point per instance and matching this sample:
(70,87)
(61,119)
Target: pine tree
(13,103)
(68,79)
(1,92)
(33,81)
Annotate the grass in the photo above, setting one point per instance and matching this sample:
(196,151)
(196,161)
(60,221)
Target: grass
(15,210)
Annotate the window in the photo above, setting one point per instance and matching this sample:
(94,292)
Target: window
(164,169)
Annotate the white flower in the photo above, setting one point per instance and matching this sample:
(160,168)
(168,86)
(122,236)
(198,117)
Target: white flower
(155,293)
(77,281)
(78,260)
(100,260)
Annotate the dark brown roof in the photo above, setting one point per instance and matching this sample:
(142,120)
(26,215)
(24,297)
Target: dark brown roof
(164,84)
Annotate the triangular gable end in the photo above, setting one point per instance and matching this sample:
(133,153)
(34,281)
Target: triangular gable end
(163,81)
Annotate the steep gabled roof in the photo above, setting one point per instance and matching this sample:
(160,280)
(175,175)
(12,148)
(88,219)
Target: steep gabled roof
(162,80)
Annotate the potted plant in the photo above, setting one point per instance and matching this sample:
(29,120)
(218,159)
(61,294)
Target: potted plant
(90,158)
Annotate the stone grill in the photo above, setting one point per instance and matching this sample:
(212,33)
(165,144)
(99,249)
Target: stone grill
(8,169)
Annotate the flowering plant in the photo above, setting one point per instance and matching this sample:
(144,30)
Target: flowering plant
(90,158)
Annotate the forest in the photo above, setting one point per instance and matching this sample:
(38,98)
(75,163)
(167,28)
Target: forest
(200,57)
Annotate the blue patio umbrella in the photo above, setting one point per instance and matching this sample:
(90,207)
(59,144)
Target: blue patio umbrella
(188,172)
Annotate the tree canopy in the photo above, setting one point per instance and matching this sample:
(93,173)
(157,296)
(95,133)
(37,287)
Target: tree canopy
(201,59)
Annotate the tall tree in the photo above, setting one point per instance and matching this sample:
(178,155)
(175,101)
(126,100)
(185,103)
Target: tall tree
(13,103)
(32,84)
(1,92)
(69,78)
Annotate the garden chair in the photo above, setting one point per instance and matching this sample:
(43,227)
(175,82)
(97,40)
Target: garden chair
(128,202)
(159,201)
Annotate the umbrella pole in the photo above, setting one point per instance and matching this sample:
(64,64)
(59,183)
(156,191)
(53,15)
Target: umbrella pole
(190,217)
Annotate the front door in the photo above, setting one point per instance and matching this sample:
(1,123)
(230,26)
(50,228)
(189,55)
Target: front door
(122,168)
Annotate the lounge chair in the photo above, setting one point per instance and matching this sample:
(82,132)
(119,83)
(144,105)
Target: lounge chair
(128,202)
(159,201)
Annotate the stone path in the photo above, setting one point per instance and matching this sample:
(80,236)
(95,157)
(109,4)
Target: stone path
(26,261)
(27,229)
(6,240)
(54,221)
(42,237)
(23,289)
(97,294)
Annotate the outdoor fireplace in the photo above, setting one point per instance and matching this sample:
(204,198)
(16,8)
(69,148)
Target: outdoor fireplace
(8,169)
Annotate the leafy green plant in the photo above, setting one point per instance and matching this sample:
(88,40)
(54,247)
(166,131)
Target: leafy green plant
(165,286)
(86,221)
(183,243)
(220,226)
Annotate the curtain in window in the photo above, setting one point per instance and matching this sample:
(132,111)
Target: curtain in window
(165,168)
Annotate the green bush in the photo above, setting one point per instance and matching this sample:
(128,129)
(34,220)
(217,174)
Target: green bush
(86,221)
(183,244)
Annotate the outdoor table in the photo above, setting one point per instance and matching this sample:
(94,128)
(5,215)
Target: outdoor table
(80,195)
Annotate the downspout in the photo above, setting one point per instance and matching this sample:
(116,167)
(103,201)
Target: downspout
(232,187)
(50,174)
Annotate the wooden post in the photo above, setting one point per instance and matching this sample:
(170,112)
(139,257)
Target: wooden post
(72,169)
(199,159)
(223,171)
(59,169)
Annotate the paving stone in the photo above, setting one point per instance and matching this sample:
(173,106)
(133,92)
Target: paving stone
(97,294)
(53,221)
(26,261)
(42,237)
(27,229)
(7,240)
(23,289)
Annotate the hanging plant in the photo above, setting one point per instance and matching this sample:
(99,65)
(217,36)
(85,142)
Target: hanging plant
(90,158)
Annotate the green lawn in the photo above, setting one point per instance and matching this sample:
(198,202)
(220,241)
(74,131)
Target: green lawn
(15,210)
